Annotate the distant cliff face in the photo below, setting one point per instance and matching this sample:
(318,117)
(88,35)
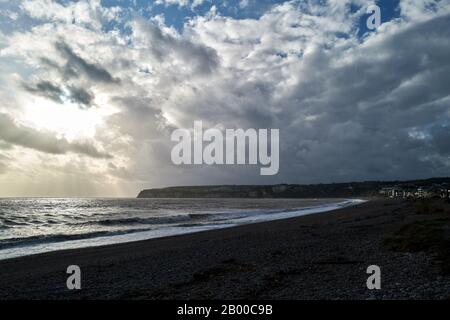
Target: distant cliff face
(211,192)
(269,191)
(333,190)
(275,191)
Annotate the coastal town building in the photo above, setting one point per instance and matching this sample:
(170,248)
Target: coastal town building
(417,192)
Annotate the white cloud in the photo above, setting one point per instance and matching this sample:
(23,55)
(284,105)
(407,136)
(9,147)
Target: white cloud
(84,12)
(180,3)
(192,4)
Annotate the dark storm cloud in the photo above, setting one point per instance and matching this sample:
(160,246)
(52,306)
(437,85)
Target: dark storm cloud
(365,112)
(200,58)
(54,92)
(377,111)
(46,89)
(43,141)
(137,110)
(441,139)
(81,96)
(76,65)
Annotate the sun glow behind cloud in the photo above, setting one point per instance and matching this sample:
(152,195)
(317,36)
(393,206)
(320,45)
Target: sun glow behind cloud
(66,120)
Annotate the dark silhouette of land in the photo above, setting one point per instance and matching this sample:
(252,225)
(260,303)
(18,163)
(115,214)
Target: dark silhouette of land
(331,190)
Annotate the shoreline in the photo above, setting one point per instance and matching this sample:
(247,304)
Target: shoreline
(143,235)
(321,256)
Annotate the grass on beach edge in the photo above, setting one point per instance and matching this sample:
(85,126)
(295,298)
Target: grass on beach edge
(431,235)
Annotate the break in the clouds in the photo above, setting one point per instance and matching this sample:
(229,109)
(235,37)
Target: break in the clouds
(91,90)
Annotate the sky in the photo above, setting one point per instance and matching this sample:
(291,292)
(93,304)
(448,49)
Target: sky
(90,91)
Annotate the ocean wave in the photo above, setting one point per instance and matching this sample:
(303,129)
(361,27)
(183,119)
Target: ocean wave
(143,221)
(14,222)
(40,239)
(136,220)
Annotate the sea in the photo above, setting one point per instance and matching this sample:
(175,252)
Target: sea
(36,225)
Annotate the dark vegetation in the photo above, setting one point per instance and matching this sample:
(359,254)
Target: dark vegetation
(430,234)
